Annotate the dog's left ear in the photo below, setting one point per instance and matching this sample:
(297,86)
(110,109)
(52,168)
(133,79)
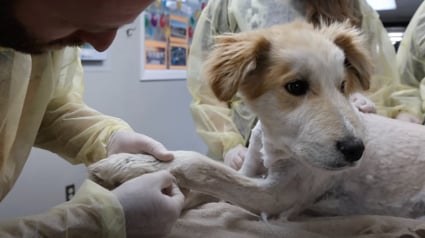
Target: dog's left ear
(357,60)
(232,59)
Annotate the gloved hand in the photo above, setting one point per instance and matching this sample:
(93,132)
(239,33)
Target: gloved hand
(407,117)
(124,141)
(152,203)
(235,157)
(362,103)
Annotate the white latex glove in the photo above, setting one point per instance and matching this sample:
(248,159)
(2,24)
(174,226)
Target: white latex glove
(152,203)
(407,117)
(124,141)
(235,157)
(362,103)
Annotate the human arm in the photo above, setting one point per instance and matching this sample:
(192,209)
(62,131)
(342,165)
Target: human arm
(385,82)
(146,206)
(212,118)
(411,60)
(77,132)
(93,212)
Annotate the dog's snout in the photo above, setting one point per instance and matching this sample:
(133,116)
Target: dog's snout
(352,148)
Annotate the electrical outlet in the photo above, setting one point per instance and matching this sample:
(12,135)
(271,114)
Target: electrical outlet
(69,192)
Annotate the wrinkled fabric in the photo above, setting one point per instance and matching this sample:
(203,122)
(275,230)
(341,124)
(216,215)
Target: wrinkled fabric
(41,104)
(411,63)
(223,125)
(92,212)
(223,220)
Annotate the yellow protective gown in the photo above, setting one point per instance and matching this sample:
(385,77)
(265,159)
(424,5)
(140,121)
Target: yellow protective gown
(224,125)
(41,104)
(411,63)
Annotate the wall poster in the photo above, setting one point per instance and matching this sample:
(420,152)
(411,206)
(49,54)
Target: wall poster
(168,31)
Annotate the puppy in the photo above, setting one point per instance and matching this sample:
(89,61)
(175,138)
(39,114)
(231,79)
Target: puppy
(320,155)
(297,80)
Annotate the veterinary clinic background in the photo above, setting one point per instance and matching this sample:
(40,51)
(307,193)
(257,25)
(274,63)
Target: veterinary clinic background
(81,82)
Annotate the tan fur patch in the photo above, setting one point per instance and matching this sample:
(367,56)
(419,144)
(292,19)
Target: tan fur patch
(231,60)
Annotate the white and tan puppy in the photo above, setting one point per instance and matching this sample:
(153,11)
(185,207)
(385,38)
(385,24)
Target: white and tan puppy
(318,152)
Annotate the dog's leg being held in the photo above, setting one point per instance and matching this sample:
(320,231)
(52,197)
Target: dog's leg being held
(200,173)
(193,171)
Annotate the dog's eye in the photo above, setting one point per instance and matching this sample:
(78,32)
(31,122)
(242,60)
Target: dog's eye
(347,64)
(297,87)
(342,87)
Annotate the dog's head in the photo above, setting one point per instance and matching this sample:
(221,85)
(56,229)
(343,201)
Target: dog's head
(298,79)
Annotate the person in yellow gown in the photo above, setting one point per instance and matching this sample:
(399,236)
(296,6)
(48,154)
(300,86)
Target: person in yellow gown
(411,63)
(41,104)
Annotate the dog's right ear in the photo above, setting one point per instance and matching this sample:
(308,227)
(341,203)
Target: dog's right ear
(231,60)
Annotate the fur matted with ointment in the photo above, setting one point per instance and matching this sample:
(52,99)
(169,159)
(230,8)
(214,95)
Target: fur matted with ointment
(312,152)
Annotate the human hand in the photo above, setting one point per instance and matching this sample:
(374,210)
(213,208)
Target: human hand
(235,157)
(152,203)
(362,103)
(407,117)
(124,141)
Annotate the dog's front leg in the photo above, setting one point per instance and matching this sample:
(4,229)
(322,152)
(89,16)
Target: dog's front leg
(196,172)
(205,175)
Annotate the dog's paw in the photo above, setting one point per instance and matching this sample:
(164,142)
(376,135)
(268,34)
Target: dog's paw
(118,168)
(362,103)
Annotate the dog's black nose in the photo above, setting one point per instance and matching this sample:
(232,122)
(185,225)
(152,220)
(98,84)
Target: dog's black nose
(352,148)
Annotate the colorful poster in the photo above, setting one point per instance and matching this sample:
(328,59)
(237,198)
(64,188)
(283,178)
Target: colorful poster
(178,29)
(155,55)
(177,56)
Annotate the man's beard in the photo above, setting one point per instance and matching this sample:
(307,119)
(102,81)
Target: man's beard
(14,35)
